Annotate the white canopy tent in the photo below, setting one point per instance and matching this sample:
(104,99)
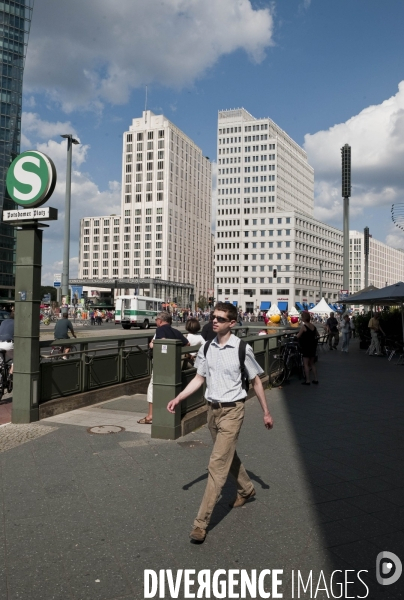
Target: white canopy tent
(321,308)
(293,312)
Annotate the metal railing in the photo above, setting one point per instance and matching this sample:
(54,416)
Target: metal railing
(90,366)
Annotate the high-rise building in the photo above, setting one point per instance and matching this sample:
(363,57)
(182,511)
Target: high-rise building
(15,22)
(269,248)
(165,222)
(386,264)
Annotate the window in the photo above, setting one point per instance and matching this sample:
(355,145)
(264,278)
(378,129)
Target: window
(283,292)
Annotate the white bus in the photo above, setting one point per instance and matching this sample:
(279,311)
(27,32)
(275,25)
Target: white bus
(137,311)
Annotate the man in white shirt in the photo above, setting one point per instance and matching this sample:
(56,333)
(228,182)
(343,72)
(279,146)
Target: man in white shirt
(226,396)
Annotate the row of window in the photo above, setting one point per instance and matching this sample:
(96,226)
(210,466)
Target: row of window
(140,135)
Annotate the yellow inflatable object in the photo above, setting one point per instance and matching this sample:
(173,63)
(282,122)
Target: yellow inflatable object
(275,318)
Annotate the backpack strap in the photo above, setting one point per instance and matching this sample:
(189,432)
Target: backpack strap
(206,347)
(241,356)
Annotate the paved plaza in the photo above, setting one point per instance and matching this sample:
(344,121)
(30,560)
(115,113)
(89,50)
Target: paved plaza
(85,514)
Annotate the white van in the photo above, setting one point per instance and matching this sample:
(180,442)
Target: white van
(137,311)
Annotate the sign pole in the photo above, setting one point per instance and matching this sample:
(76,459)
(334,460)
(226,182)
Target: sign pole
(30,188)
(26,332)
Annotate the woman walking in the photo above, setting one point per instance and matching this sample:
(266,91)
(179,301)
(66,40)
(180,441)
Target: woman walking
(346,333)
(308,338)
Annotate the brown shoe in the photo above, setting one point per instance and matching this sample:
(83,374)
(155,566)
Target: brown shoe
(241,500)
(198,534)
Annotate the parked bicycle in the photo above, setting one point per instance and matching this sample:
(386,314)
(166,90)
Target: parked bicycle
(288,361)
(6,379)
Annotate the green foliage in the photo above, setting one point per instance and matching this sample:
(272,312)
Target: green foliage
(202,302)
(390,322)
(48,289)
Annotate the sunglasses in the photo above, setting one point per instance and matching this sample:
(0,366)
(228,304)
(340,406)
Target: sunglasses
(220,319)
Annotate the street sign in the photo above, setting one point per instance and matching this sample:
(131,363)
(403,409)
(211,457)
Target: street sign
(57,280)
(31,214)
(343,295)
(31,179)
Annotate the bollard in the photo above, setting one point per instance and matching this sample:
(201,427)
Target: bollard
(166,386)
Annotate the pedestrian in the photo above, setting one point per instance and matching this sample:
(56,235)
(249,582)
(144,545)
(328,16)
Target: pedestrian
(375,330)
(346,333)
(353,326)
(308,340)
(207,331)
(225,394)
(332,329)
(164,331)
(194,338)
(92,317)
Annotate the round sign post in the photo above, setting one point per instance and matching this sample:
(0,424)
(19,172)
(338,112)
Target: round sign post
(31,179)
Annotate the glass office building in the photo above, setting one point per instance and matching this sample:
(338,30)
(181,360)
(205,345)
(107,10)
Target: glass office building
(15,21)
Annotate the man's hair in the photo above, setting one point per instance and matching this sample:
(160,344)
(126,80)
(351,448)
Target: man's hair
(192,325)
(305,315)
(65,315)
(211,315)
(165,316)
(331,314)
(229,309)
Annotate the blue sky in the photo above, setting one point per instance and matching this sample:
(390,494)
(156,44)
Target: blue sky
(327,72)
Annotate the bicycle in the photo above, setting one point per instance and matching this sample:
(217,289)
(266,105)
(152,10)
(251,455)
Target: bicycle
(288,360)
(6,379)
(57,352)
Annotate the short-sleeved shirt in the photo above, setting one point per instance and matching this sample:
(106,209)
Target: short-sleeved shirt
(332,324)
(221,368)
(374,323)
(7,330)
(167,332)
(62,328)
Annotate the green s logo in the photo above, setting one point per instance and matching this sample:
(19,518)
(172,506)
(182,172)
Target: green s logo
(31,179)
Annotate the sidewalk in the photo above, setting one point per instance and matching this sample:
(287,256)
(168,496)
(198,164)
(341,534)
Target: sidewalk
(85,514)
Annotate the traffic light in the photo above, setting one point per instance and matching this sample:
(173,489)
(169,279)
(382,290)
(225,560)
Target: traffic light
(175,300)
(211,300)
(346,171)
(274,273)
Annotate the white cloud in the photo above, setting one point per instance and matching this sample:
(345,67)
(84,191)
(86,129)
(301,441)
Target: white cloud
(31,123)
(376,136)
(87,53)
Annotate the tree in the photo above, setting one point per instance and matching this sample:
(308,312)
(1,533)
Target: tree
(48,289)
(202,302)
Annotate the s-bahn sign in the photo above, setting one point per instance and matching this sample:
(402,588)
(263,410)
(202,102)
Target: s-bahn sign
(31,179)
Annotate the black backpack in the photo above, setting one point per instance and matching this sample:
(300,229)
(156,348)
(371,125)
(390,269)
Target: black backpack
(245,383)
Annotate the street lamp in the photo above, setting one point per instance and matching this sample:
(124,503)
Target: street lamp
(66,249)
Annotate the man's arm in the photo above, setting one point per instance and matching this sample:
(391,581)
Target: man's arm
(259,392)
(192,386)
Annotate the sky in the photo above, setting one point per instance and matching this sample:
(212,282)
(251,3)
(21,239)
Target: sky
(327,72)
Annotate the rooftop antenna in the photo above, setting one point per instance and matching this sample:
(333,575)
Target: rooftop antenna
(145,107)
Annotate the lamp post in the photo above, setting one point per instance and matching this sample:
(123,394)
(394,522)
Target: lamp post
(66,248)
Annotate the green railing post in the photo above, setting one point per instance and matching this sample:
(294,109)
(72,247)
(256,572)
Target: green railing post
(166,386)
(84,367)
(121,361)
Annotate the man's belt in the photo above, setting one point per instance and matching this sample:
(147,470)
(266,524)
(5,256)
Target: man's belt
(226,404)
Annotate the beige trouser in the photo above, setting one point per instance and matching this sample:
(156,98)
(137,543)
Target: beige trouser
(224,425)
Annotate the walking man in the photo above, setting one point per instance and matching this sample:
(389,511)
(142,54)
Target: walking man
(333,333)
(375,329)
(225,395)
